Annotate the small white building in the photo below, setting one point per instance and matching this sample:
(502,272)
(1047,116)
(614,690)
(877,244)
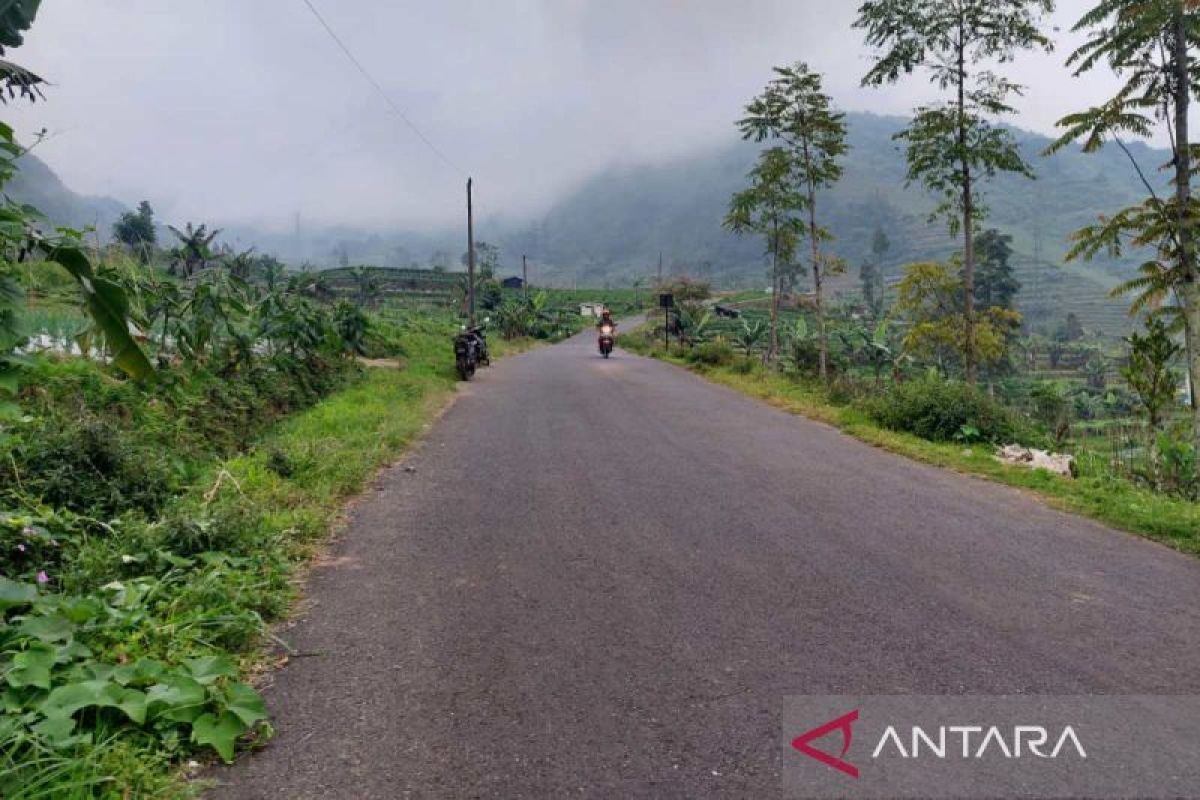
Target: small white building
(591,309)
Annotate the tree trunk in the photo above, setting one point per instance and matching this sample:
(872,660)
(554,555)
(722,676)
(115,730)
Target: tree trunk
(968,216)
(773,346)
(1189,291)
(822,338)
(1189,296)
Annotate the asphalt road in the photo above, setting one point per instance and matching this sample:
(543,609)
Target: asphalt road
(602,578)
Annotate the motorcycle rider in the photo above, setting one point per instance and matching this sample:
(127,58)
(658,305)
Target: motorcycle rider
(606,318)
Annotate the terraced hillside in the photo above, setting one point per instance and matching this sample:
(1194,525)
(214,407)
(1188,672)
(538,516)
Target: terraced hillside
(614,226)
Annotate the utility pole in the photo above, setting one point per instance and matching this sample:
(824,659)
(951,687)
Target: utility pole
(660,267)
(525,277)
(470,259)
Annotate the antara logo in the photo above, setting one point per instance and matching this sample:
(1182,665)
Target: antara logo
(842,723)
(946,741)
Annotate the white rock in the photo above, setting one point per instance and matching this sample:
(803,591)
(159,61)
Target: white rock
(1058,463)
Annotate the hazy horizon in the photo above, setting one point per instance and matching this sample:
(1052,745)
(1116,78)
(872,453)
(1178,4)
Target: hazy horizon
(249,114)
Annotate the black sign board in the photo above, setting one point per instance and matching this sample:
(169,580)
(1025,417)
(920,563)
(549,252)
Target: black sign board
(666,301)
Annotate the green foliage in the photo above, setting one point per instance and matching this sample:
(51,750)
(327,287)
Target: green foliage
(1150,47)
(62,695)
(995,284)
(352,327)
(194,251)
(1053,409)
(954,144)
(770,206)
(949,40)
(16,17)
(691,322)
(1179,467)
(717,353)
(1150,374)
(796,112)
(135,230)
(938,410)
(930,302)
(750,335)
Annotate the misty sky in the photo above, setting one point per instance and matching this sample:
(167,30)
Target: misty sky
(246,111)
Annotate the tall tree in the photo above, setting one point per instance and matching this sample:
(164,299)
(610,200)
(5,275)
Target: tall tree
(954,144)
(871,273)
(135,230)
(930,298)
(795,111)
(1151,45)
(995,283)
(770,207)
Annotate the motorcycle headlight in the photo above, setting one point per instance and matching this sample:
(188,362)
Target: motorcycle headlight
(606,330)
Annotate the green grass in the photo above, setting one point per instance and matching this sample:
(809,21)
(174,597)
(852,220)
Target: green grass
(1096,493)
(203,577)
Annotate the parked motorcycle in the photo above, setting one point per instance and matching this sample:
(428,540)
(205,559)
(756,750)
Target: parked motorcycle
(470,351)
(608,337)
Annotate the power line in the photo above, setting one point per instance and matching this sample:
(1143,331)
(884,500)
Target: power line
(379,89)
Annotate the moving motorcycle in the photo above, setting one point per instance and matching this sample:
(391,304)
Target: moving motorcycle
(470,351)
(608,337)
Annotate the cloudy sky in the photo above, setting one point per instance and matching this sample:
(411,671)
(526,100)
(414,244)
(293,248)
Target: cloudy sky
(246,110)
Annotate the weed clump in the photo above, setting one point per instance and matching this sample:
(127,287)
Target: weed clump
(940,410)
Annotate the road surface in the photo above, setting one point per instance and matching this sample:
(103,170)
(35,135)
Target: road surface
(601,578)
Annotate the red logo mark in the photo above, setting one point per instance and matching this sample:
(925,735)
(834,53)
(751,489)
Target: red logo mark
(843,724)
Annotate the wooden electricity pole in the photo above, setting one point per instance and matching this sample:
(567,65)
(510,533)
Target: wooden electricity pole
(470,259)
(525,277)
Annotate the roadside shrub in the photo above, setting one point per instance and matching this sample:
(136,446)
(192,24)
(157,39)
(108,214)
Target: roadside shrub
(1180,466)
(717,353)
(939,410)
(228,529)
(842,390)
(93,467)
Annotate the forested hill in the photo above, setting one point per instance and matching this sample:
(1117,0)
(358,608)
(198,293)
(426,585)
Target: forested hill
(35,183)
(612,227)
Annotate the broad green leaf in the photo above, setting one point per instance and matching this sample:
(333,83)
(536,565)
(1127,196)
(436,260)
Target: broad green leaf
(177,698)
(141,672)
(54,729)
(109,307)
(210,668)
(9,380)
(48,628)
(219,732)
(79,609)
(66,700)
(13,594)
(31,668)
(243,700)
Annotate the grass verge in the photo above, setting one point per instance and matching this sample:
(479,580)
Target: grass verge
(131,659)
(1095,493)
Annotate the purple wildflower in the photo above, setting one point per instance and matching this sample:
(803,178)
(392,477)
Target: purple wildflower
(42,577)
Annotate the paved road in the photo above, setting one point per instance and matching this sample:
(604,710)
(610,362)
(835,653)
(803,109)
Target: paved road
(601,578)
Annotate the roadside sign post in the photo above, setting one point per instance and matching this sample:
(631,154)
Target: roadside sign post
(666,302)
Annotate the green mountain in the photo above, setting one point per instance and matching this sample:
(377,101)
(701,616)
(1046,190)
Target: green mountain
(612,227)
(35,183)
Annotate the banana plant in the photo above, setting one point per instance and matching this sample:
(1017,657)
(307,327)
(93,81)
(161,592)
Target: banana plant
(691,321)
(874,349)
(750,335)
